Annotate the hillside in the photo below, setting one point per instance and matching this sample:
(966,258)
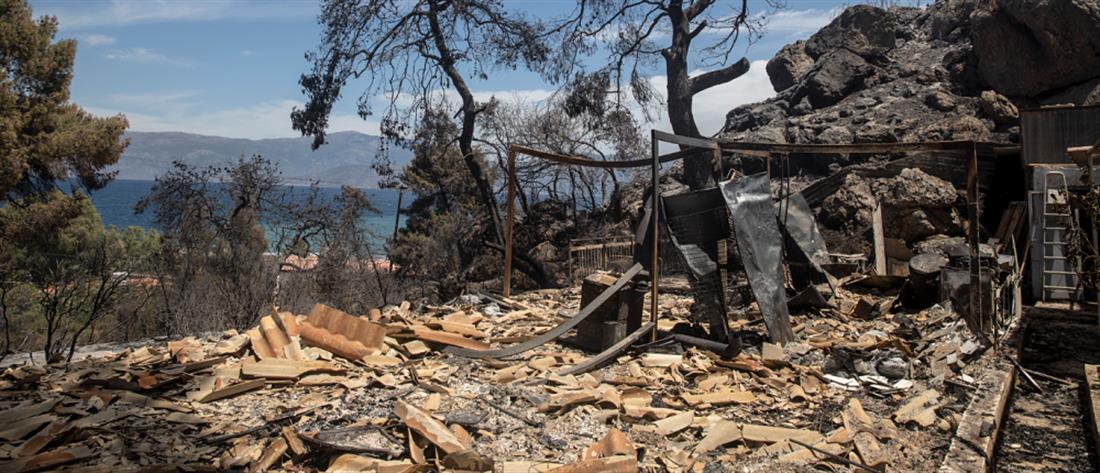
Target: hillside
(958,70)
(345,160)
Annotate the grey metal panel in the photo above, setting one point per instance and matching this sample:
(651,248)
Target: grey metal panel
(761,246)
(1045,133)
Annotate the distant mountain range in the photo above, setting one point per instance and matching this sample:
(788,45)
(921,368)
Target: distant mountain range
(344,160)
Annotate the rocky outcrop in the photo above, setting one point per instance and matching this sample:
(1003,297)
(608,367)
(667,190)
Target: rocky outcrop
(1031,47)
(834,76)
(789,65)
(956,70)
(861,29)
(946,72)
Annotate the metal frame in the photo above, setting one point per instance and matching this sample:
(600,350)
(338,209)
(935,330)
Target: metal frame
(759,149)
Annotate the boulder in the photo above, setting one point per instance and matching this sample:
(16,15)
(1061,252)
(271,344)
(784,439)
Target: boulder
(862,29)
(754,116)
(789,65)
(1026,48)
(998,108)
(915,224)
(940,100)
(915,188)
(948,20)
(915,205)
(836,74)
(1087,93)
(956,127)
(850,207)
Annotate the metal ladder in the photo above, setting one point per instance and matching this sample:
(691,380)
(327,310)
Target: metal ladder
(1059,280)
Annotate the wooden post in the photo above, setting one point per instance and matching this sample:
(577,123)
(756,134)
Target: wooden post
(397,218)
(975,249)
(878,237)
(655,264)
(1095,250)
(507,283)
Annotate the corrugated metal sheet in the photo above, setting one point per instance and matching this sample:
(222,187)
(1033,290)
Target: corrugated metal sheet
(1045,133)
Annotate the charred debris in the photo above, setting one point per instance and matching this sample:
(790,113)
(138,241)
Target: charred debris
(739,336)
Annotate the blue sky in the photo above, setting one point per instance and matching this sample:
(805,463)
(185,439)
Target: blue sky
(230,67)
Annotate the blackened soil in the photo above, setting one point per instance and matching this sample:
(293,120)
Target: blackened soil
(1049,431)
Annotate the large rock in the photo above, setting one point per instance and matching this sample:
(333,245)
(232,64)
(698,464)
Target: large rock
(862,29)
(915,205)
(949,20)
(752,116)
(956,128)
(998,108)
(836,74)
(789,65)
(1026,48)
(915,188)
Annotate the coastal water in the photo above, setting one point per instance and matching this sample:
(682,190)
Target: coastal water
(116,202)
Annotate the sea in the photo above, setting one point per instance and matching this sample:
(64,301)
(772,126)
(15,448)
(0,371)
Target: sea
(115,204)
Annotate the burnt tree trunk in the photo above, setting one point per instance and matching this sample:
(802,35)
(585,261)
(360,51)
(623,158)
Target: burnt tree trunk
(681,89)
(474,164)
(525,263)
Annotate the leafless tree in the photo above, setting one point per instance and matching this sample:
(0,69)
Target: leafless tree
(640,35)
(546,126)
(415,54)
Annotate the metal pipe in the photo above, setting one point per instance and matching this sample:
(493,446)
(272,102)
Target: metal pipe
(655,266)
(507,283)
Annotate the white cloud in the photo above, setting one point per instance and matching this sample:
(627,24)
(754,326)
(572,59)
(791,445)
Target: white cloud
(263,120)
(179,111)
(711,106)
(145,56)
(799,22)
(97,39)
(80,15)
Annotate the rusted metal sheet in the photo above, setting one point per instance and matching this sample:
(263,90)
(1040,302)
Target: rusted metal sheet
(1045,133)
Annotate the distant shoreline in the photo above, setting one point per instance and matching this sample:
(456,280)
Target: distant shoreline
(115,204)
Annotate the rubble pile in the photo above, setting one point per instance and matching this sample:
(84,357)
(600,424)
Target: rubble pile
(916,204)
(336,392)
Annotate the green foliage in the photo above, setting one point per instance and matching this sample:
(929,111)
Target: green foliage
(43,137)
(443,228)
(76,271)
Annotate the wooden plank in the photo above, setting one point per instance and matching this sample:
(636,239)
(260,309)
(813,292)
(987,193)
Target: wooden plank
(970,451)
(1092,378)
(555,332)
(684,140)
(276,368)
(854,148)
(879,240)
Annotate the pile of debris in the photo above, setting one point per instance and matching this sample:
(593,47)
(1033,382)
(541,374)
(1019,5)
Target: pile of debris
(378,393)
